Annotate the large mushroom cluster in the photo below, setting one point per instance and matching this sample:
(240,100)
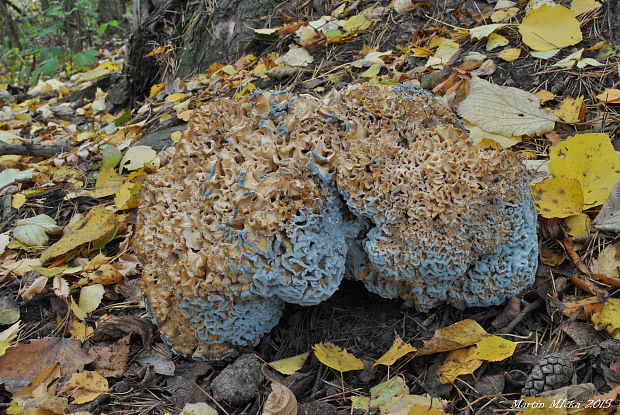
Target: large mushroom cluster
(274,198)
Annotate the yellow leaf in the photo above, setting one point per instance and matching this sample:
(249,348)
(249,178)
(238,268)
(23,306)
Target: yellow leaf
(483,31)
(98,223)
(609,318)
(493,349)
(478,136)
(295,57)
(155,89)
(90,297)
(504,110)
(591,159)
(290,365)
(176,97)
(545,95)
(137,156)
(558,197)
(108,182)
(80,330)
(509,54)
(578,225)
(336,358)
(550,27)
(127,196)
(399,349)
(610,95)
(77,311)
(356,23)
(176,136)
(608,261)
(505,15)
(456,336)
(569,109)
(458,362)
(424,410)
(18,200)
(579,7)
(92,74)
(85,386)
(360,402)
(372,71)
(443,54)
(185,115)
(495,41)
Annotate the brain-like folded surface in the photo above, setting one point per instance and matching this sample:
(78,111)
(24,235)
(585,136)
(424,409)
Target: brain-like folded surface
(277,197)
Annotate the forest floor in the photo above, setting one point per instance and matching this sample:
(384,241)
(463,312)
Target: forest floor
(76,334)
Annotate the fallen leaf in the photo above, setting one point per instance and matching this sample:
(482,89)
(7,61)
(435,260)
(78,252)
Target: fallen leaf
(356,23)
(106,274)
(505,15)
(444,53)
(579,7)
(456,336)
(546,54)
(457,363)
(608,318)
(570,109)
(21,363)
(385,392)
(34,288)
(504,110)
(85,386)
(582,308)
(9,310)
(80,330)
(18,200)
(34,231)
(372,71)
(495,41)
(610,96)
(127,196)
(281,401)
(336,358)
(608,219)
(4,241)
(290,365)
(295,57)
(98,223)
(493,349)
(137,156)
(558,197)
(155,89)
(545,96)
(108,182)
(360,402)
(60,286)
(480,32)
(590,159)
(176,97)
(569,61)
(578,225)
(550,27)
(399,349)
(90,297)
(509,54)
(199,408)
(608,261)
(112,361)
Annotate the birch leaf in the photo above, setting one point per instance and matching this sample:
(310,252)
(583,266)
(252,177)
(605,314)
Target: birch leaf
(504,110)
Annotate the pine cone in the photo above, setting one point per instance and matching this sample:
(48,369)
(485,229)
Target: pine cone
(551,372)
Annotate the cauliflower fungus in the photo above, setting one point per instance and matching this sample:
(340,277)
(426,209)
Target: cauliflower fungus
(277,197)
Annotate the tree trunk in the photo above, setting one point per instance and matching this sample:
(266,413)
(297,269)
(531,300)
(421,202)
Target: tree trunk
(45,4)
(199,32)
(7,23)
(112,10)
(73,26)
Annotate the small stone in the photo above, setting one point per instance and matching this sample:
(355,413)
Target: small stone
(316,408)
(238,383)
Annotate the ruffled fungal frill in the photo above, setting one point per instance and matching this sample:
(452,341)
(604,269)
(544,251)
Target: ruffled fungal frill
(277,197)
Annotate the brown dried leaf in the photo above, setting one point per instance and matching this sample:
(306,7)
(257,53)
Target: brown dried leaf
(112,360)
(117,326)
(20,364)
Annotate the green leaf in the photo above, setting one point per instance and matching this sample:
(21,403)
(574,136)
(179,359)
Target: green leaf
(85,58)
(111,156)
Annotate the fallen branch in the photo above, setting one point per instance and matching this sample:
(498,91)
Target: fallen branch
(31,149)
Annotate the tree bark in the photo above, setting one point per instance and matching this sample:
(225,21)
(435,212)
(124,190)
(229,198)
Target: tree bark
(8,24)
(199,32)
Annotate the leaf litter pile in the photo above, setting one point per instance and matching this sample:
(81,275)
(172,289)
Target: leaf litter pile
(540,78)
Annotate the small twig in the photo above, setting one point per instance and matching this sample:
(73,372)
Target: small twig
(31,149)
(524,312)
